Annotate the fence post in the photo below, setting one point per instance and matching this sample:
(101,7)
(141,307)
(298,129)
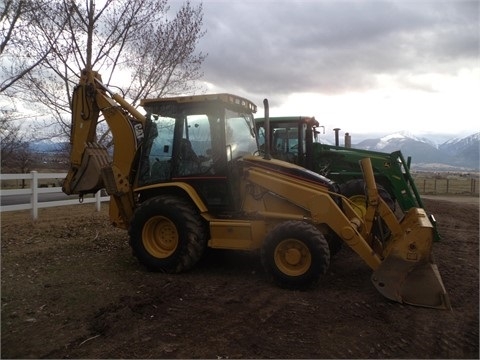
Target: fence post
(34,200)
(97,200)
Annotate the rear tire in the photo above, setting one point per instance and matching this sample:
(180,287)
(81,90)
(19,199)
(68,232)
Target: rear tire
(295,254)
(355,191)
(167,234)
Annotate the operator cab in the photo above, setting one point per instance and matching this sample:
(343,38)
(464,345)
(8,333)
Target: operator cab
(291,138)
(195,140)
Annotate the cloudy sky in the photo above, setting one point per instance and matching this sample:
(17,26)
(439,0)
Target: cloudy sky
(363,66)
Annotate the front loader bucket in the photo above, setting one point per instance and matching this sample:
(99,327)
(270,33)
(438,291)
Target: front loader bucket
(407,274)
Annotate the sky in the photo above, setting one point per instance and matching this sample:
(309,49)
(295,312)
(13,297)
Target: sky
(366,67)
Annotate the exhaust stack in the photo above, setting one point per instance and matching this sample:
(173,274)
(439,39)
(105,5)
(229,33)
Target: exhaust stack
(266,124)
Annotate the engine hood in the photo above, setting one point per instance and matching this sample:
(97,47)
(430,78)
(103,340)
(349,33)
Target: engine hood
(290,169)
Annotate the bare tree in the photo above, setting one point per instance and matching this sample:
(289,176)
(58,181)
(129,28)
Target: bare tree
(135,44)
(15,152)
(17,57)
(165,60)
(10,136)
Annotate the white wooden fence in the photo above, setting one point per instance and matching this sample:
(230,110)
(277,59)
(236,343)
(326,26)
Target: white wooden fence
(34,190)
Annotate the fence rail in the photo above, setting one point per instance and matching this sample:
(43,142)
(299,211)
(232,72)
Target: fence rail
(446,186)
(34,189)
(425,186)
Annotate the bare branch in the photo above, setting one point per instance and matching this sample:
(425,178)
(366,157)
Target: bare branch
(137,37)
(16,16)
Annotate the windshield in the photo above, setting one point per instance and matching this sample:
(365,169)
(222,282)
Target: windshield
(284,138)
(239,135)
(198,141)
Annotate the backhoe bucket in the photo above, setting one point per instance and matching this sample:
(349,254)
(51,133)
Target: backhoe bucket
(408,274)
(86,178)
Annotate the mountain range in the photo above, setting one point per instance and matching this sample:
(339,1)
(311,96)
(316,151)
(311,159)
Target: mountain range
(458,154)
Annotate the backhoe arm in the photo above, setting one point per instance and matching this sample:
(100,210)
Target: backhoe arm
(91,166)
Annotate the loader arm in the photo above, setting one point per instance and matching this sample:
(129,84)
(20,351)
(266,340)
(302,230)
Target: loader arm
(91,166)
(318,203)
(402,264)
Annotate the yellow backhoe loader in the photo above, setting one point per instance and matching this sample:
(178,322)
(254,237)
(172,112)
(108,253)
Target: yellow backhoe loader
(188,175)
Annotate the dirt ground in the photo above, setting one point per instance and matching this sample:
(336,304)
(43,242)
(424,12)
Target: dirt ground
(70,288)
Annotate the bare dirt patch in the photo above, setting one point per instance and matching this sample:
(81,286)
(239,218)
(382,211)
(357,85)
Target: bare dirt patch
(71,289)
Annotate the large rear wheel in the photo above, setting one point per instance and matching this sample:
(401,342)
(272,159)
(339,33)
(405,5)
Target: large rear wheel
(355,191)
(295,254)
(167,234)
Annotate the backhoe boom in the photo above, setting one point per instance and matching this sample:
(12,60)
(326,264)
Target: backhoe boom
(91,166)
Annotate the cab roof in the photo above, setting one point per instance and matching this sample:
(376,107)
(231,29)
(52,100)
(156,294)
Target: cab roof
(226,98)
(290,119)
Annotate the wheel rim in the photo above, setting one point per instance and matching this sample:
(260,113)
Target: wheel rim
(292,257)
(160,237)
(360,204)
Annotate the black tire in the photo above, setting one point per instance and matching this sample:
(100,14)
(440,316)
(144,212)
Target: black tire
(295,254)
(355,190)
(335,243)
(357,187)
(167,234)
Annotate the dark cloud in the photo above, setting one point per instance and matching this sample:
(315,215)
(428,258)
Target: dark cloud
(329,47)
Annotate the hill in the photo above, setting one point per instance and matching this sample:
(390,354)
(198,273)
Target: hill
(453,155)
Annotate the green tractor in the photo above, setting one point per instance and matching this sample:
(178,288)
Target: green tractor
(295,139)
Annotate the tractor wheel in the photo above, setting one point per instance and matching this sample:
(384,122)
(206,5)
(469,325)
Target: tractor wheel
(167,234)
(354,190)
(295,254)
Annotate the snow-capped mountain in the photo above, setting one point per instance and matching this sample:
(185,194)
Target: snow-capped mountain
(464,151)
(459,145)
(457,153)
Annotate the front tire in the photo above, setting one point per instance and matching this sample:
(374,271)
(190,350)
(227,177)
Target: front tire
(167,234)
(295,254)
